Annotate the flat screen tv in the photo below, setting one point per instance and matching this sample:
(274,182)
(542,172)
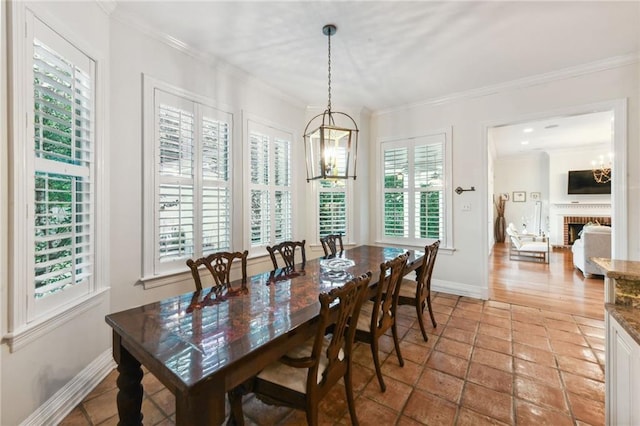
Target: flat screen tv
(582,182)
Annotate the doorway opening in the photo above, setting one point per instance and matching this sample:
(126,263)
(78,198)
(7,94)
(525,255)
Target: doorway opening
(528,162)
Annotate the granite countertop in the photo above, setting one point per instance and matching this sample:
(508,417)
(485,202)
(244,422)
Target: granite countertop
(626,310)
(628,317)
(619,269)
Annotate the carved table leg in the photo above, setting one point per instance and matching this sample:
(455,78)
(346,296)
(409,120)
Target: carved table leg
(130,390)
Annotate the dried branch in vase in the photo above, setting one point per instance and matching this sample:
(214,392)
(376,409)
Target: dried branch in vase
(500,204)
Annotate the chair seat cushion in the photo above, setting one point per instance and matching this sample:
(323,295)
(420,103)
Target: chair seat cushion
(408,288)
(296,378)
(364,320)
(534,246)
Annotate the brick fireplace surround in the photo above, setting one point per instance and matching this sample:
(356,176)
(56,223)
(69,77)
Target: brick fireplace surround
(569,236)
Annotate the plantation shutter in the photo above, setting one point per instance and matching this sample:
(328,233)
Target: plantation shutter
(270,197)
(176,175)
(282,182)
(396,178)
(332,208)
(216,195)
(63,89)
(193,195)
(414,197)
(429,192)
(260,206)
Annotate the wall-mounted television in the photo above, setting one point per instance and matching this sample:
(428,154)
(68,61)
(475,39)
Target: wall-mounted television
(582,182)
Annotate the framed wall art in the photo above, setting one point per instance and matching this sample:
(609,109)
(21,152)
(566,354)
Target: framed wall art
(535,196)
(519,196)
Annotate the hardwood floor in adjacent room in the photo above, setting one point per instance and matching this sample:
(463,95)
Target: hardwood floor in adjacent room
(556,286)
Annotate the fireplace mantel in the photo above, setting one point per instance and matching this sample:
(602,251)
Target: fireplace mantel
(580,205)
(558,210)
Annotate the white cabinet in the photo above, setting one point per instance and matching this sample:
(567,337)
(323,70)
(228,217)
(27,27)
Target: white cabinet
(622,376)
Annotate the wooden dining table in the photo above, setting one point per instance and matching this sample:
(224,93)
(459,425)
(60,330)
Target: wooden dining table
(201,345)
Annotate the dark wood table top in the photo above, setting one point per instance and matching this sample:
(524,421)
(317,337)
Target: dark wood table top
(188,339)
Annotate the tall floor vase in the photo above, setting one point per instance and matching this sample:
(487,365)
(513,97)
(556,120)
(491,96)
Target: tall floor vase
(499,229)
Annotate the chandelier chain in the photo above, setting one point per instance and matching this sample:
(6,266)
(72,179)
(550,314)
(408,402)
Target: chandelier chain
(329,66)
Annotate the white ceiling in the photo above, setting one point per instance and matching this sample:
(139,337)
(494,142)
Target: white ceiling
(392,53)
(554,133)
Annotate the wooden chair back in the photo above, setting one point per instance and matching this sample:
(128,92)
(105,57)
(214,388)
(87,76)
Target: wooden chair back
(386,300)
(418,293)
(274,384)
(287,251)
(338,352)
(383,312)
(423,288)
(330,244)
(219,265)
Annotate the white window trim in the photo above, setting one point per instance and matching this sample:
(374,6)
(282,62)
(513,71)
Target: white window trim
(21,329)
(246,119)
(447,246)
(148,277)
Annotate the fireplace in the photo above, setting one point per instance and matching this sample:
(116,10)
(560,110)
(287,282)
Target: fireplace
(574,224)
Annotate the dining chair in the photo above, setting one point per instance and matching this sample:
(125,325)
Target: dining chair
(330,244)
(219,265)
(418,293)
(304,376)
(379,314)
(287,250)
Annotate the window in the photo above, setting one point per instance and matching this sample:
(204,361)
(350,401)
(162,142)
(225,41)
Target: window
(55,193)
(415,176)
(189,186)
(269,155)
(332,208)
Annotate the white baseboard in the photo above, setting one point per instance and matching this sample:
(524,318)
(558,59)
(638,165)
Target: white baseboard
(460,289)
(56,408)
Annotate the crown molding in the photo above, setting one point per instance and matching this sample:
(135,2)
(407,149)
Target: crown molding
(564,73)
(214,62)
(108,6)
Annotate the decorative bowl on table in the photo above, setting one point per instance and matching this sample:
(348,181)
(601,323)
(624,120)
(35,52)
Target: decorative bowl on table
(337,264)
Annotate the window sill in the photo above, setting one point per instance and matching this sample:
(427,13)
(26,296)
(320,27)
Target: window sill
(161,280)
(414,245)
(183,276)
(32,331)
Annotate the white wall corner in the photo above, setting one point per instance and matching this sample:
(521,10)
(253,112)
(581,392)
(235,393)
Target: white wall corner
(56,408)
(460,289)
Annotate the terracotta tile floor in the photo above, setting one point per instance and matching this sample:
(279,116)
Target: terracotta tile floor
(487,362)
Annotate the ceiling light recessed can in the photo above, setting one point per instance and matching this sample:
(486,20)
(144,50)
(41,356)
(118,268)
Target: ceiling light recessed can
(524,143)
(528,130)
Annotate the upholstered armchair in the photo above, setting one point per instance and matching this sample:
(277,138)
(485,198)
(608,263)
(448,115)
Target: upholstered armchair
(594,241)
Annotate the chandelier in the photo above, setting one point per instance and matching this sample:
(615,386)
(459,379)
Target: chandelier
(601,171)
(331,138)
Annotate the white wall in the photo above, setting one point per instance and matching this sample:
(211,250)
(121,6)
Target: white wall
(4,201)
(561,161)
(563,204)
(466,269)
(34,373)
(527,173)
(134,54)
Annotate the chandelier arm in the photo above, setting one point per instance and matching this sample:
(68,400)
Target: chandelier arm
(349,117)
(311,121)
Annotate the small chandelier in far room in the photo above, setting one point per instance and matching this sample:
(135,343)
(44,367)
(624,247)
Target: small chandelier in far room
(331,138)
(602,171)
